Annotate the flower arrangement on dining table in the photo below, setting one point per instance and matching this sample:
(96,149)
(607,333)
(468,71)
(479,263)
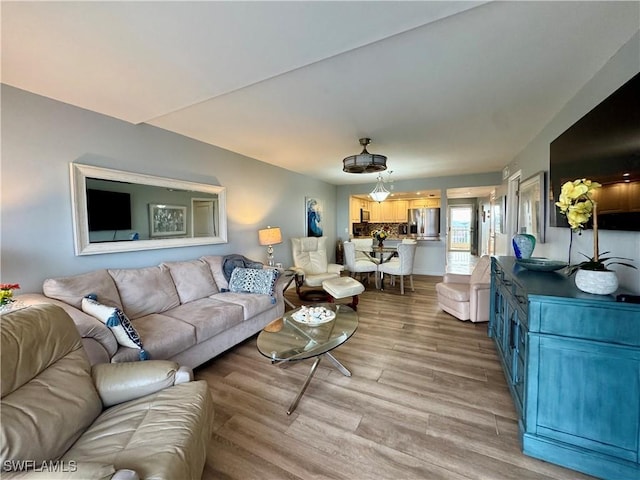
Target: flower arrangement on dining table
(576,202)
(6,292)
(380,234)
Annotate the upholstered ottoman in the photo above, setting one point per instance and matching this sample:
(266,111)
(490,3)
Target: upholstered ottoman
(343,287)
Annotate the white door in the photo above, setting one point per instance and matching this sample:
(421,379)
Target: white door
(460,227)
(203,219)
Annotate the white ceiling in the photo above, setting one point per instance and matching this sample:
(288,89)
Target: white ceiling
(440,87)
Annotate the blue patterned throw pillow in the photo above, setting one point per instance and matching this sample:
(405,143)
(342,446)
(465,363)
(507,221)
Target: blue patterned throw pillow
(116,321)
(253,280)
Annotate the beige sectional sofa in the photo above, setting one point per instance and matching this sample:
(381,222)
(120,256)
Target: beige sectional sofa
(63,418)
(181,310)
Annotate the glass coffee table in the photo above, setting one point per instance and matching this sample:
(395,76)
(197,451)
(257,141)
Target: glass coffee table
(288,340)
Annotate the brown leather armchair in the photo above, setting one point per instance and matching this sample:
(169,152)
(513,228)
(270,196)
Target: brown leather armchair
(110,421)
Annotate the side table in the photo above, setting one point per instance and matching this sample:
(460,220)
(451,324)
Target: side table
(290,275)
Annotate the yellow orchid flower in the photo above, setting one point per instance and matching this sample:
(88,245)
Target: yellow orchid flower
(576,203)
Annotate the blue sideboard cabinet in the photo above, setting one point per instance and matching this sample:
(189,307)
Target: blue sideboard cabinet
(572,363)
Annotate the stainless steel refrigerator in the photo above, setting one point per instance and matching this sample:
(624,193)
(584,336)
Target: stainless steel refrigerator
(424,223)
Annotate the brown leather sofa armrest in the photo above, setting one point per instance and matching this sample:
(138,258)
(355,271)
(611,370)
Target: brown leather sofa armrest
(88,326)
(121,382)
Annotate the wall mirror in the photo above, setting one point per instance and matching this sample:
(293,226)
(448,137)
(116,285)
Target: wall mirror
(117,211)
(531,206)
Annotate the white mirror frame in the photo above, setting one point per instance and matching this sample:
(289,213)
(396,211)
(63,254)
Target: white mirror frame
(533,183)
(80,173)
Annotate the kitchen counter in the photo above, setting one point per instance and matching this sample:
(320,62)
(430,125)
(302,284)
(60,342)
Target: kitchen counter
(430,254)
(399,239)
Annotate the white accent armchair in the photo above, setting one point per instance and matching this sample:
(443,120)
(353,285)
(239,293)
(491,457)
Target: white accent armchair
(311,265)
(466,297)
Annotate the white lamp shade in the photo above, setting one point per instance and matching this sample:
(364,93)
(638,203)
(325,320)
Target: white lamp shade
(379,193)
(270,236)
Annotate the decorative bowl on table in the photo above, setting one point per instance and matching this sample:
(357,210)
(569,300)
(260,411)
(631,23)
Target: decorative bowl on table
(313,315)
(539,264)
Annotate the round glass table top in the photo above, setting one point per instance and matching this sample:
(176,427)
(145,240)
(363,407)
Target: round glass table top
(288,339)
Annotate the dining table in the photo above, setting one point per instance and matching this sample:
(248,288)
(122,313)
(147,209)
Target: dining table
(380,255)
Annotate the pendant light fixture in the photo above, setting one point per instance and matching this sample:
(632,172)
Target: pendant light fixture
(379,193)
(364,162)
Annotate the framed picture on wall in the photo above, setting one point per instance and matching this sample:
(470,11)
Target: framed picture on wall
(313,217)
(167,220)
(498,214)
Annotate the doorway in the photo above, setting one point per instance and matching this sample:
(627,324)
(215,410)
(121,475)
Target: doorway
(203,217)
(460,228)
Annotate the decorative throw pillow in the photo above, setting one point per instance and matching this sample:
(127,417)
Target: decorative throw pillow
(116,321)
(253,280)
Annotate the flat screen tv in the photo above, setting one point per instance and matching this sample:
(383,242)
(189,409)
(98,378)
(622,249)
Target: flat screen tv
(108,210)
(604,146)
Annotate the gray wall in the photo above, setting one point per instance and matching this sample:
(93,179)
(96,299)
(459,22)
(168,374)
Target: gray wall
(40,137)
(535,157)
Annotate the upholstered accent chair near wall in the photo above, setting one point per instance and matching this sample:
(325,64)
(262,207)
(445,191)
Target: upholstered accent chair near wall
(358,265)
(466,297)
(311,265)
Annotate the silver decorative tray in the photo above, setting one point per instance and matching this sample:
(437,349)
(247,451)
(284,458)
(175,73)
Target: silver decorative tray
(541,264)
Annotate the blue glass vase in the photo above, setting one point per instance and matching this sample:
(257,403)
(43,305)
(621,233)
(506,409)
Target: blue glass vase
(523,245)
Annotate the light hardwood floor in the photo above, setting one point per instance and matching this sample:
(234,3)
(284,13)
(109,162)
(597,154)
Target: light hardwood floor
(427,400)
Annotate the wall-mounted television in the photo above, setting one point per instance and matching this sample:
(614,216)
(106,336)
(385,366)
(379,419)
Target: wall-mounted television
(604,146)
(108,210)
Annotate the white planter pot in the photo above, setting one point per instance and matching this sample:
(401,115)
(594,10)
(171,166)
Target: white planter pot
(598,282)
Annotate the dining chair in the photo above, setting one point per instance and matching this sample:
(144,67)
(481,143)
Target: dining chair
(401,267)
(363,246)
(358,265)
(410,241)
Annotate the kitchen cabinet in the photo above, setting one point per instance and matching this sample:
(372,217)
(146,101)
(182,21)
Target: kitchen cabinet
(572,365)
(389,211)
(424,203)
(355,204)
(400,208)
(375,209)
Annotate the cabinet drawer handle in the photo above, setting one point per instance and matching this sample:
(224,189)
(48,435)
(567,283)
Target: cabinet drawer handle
(507,282)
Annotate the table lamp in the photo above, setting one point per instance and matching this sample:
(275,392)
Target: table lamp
(270,236)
